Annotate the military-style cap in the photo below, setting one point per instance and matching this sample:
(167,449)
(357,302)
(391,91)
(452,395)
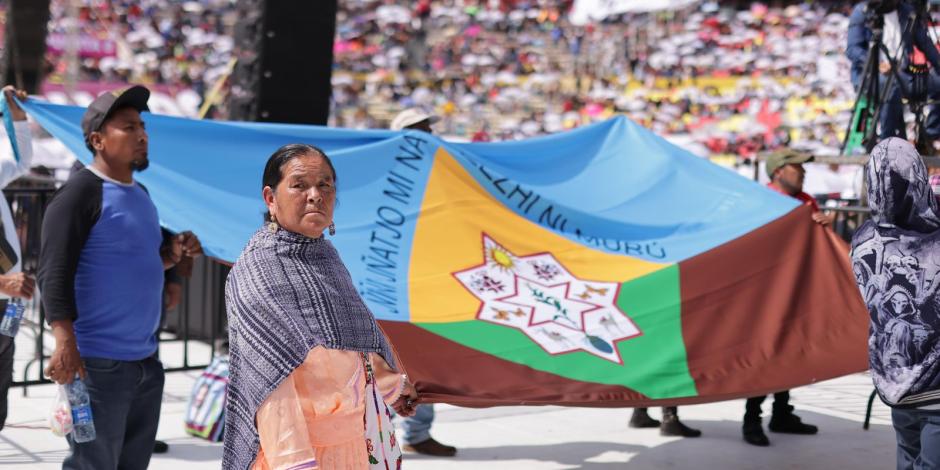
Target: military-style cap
(783,157)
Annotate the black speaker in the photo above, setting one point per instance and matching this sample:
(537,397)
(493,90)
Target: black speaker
(24,50)
(285,57)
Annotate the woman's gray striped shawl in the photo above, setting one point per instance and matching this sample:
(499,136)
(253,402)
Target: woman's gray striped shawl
(286,294)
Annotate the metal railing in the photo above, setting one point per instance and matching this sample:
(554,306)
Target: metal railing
(28,203)
(200,316)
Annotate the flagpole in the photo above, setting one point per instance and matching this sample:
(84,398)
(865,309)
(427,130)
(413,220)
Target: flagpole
(71,50)
(216,88)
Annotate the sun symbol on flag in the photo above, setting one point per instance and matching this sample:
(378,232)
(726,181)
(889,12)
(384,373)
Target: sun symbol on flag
(537,295)
(500,258)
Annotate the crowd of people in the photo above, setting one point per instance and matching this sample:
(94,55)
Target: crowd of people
(511,69)
(185,44)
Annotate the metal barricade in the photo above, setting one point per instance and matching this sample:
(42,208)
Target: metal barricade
(200,316)
(28,203)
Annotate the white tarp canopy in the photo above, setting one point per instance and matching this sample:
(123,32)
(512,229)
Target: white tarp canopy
(586,11)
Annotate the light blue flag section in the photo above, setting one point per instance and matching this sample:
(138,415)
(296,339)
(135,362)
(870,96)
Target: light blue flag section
(612,186)
(618,187)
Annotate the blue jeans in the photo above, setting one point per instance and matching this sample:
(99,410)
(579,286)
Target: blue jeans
(918,433)
(125,405)
(418,427)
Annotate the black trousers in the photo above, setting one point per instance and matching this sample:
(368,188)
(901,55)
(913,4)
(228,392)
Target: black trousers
(667,410)
(7,347)
(752,410)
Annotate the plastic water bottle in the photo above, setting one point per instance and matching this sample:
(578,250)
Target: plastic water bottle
(83,426)
(10,324)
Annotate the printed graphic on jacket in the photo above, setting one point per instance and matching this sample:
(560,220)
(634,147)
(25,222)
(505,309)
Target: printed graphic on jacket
(895,259)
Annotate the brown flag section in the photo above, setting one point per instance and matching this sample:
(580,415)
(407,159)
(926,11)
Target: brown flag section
(774,309)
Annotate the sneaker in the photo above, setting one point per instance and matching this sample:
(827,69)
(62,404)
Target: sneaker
(753,434)
(431,447)
(160,447)
(641,419)
(674,427)
(790,424)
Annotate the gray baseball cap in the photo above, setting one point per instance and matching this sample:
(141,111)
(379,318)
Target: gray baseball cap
(101,108)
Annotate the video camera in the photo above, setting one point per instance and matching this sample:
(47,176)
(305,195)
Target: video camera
(876,8)
(875,11)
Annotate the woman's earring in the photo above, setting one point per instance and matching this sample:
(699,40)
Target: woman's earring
(332,229)
(273,225)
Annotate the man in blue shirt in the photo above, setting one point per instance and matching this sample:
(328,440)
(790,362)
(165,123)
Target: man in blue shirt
(101,275)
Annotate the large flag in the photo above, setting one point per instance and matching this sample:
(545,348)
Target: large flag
(601,266)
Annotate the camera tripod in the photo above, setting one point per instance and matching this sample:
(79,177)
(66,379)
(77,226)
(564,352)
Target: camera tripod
(875,89)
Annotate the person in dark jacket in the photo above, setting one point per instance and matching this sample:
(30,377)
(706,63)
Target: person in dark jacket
(896,261)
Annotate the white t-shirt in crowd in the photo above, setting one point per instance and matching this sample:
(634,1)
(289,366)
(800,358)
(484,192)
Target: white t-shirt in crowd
(892,33)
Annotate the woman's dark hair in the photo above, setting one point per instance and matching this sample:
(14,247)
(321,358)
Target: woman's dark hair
(272,170)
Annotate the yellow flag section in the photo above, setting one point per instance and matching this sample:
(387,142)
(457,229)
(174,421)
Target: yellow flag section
(462,226)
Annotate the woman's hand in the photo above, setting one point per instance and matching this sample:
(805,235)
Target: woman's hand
(407,401)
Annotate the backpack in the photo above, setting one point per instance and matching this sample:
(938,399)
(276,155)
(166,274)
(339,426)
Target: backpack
(205,413)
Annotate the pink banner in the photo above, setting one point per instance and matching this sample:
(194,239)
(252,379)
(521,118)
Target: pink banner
(88,46)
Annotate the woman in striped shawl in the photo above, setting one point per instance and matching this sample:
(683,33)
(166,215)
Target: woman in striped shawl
(312,375)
